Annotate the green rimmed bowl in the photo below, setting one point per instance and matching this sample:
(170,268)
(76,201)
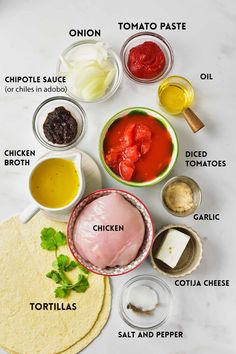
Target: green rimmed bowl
(162,120)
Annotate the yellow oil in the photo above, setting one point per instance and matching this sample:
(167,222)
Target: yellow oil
(174,97)
(55,182)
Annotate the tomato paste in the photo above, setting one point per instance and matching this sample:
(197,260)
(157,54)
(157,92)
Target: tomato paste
(137,147)
(146,60)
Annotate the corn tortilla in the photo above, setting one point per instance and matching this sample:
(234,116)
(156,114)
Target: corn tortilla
(97,328)
(99,324)
(24,265)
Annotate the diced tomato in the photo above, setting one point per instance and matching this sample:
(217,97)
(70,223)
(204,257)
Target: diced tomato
(145,147)
(135,142)
(142,133)
(132,153)
(128,138)
(126,169)
(114,156)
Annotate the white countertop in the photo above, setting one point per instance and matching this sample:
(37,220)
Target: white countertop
(33,34)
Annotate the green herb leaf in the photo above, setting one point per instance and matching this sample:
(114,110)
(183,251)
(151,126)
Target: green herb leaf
(60,238)
(82,284)
(84,270)
(54,275)
(58,277)
(51,240)
(65,280)
(62,292)
(71,266)
(61,262)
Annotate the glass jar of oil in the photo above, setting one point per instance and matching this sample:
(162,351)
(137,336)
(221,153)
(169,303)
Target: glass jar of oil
(175,94)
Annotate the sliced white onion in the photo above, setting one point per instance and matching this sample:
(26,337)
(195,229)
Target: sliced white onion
(89,71)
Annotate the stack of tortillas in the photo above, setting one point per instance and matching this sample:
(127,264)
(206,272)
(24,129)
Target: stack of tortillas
(24,265)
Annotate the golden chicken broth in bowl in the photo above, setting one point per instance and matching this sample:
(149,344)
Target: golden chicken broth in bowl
(54,183)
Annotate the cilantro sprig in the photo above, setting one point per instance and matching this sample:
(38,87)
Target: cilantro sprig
(51,240)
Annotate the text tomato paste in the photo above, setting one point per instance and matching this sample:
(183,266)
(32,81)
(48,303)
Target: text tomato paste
(137,147)
(146,60)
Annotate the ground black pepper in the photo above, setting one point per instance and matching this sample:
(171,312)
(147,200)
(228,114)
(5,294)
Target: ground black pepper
(60,127)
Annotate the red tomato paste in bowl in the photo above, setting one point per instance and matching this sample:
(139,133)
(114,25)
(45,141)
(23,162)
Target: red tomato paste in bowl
(137,147)
(146,60)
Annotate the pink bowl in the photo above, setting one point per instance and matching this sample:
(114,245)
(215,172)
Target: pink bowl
(144,249)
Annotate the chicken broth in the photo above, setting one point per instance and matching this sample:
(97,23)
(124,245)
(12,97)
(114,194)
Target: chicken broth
(54,183)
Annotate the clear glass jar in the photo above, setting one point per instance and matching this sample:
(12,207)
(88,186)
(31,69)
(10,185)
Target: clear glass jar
(155,318)
(140,38)
(182,87)
(48,106)
(114,59)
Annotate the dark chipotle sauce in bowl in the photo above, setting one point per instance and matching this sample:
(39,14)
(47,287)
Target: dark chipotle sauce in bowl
(137,147)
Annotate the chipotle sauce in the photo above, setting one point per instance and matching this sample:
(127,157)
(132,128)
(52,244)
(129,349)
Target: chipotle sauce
(60,127)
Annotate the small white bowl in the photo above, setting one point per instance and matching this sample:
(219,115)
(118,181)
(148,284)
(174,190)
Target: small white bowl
(60,214)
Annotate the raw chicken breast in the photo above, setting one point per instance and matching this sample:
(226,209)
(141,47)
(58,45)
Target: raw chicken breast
(109,248)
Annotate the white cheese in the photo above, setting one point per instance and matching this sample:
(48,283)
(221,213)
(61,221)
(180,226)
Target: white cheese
(173,247)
